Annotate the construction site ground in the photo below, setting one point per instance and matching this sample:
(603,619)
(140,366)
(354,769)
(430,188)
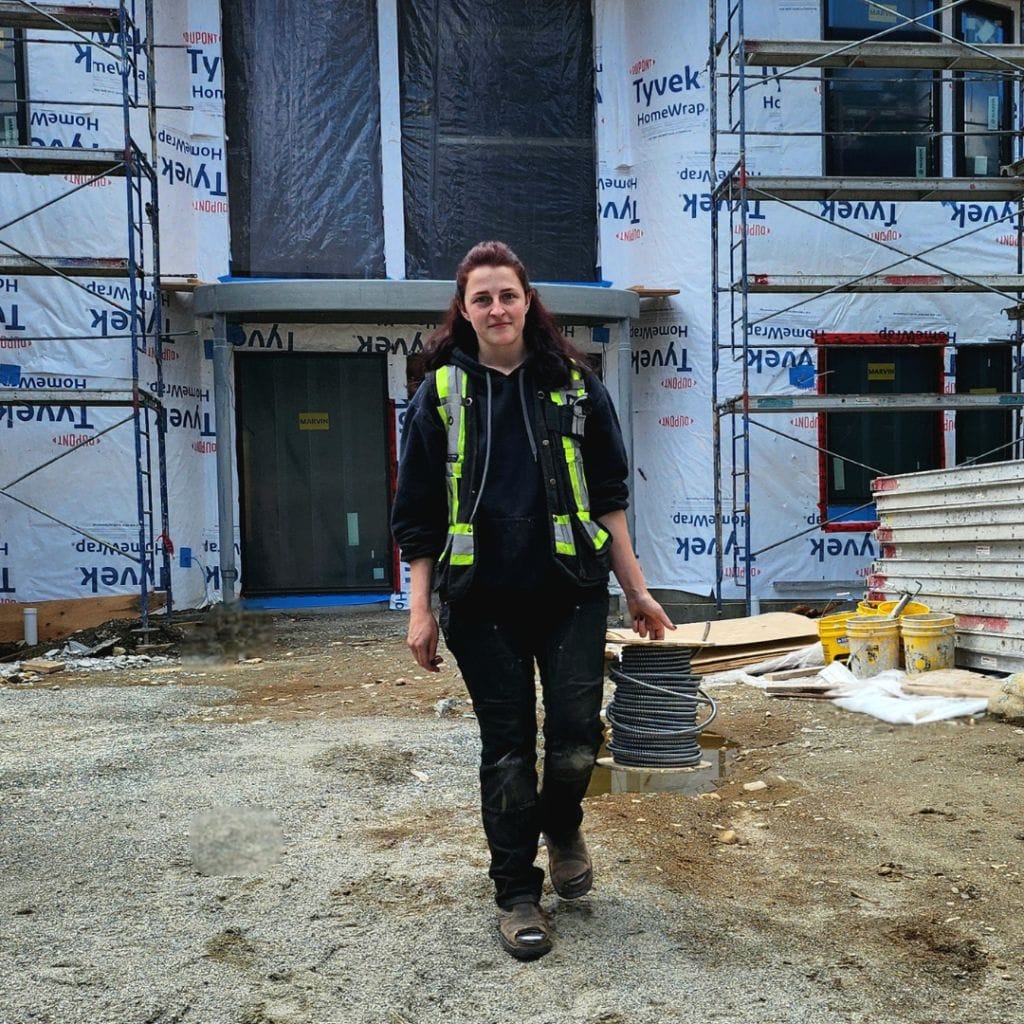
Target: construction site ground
(280,824)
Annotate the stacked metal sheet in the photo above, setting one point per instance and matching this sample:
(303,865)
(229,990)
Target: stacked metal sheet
(960,534)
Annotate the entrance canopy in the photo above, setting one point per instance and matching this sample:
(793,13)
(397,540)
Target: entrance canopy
(393,302)
(338,301)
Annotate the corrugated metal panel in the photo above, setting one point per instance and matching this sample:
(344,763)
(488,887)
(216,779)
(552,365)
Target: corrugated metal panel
(960,534)
(955,551)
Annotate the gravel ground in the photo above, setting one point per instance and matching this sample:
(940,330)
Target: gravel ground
(164,861)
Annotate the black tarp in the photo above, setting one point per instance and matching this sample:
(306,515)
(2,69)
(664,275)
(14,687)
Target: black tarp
(497,133)
(303,124)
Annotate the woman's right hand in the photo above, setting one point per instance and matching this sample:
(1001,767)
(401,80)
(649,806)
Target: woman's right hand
(422,639)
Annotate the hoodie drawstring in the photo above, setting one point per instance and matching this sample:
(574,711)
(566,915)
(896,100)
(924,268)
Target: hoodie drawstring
(526,415)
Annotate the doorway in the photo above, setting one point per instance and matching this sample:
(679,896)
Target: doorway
(313,455)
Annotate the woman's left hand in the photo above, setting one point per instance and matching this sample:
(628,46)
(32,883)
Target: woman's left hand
(648,616)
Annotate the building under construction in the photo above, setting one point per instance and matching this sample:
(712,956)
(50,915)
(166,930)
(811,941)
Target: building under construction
(788,233)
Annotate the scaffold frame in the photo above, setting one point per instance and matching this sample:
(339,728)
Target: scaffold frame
(731,54)
(133,46)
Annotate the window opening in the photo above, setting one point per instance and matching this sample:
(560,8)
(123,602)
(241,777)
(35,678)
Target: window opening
(880,121)
(497,119)
(984,435)
(983,100)
(13,106)
(868,442)
(303,138)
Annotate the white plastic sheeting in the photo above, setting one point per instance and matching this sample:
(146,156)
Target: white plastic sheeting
(75,90)
(653,190)
(654,220)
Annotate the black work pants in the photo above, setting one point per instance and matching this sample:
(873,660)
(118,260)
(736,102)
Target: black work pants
(497,643)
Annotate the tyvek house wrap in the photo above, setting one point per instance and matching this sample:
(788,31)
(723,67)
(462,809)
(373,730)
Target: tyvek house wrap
(482,159)
(303,128)
(71,335)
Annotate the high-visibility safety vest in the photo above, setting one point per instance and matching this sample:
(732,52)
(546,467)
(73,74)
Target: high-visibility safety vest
(580,545)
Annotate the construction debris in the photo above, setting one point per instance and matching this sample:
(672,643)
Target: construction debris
(1008,703)
(42,666)
(812,688)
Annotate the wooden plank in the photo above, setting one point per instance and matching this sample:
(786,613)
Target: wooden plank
(797,686)
(808,695)
(791,673)
(707,668)
(57,619)
(952,682)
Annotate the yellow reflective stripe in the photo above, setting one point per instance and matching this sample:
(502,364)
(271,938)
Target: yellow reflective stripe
(452,409)
(460,445)
(564,543)
(571,452)
(462,543)
(595,531)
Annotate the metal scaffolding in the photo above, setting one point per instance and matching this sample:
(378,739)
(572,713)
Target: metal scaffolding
(132,46)
(732,55)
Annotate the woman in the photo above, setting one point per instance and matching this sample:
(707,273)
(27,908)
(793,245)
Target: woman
(511,495)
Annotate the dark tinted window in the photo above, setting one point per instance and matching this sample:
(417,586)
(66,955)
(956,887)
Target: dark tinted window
(880,121)
(984,100)
(867,443)
(12,89)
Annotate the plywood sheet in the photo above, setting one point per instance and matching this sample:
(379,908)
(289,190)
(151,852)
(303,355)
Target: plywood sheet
(744,632)
(57,619)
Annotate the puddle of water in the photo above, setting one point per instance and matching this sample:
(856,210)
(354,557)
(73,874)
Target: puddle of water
(716,755)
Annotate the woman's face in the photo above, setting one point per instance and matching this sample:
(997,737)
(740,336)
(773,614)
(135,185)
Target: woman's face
(495,305)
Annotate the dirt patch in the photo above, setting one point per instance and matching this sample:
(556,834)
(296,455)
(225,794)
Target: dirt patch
(374,763)
(876,874)
(938,947)
(230,946)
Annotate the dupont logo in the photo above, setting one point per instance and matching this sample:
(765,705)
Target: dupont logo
(630,234)
(75,441)
(675,421)
(678,383)
(642,65)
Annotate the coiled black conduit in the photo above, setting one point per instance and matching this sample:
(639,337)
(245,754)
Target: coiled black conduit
(653,713)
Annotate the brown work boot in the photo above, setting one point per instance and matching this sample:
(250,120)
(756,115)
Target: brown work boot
(524,931)
(572,873)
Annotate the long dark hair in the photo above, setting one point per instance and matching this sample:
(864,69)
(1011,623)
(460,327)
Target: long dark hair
(553,356)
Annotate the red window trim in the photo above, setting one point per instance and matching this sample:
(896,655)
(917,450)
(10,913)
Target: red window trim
(887,338)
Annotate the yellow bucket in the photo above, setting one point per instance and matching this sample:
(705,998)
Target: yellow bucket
(886,607)
(929,641)
(912,608)
(874,645)
(832,631)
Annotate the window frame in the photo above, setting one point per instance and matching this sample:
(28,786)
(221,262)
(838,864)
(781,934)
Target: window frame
(20,87)
(994,419)
(934,154)
(960,78)
(823,341)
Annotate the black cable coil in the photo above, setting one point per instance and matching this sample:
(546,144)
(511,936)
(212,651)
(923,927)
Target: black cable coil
(653,713)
